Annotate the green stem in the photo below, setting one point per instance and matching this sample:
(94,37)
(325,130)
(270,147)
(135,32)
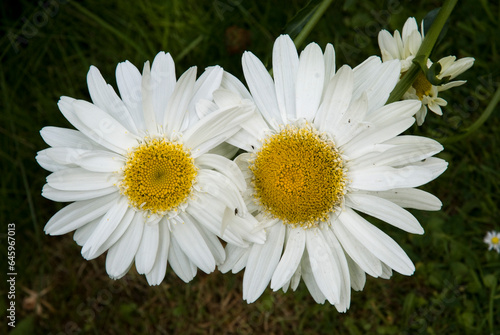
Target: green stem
(312,23)
(420,61)
(478,123)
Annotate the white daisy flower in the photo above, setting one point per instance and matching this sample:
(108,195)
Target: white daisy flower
(323,148)
(492,239)
(144,185)
(405,48)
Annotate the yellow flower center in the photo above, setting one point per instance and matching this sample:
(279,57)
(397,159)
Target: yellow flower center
(298,176)
(422,86)
(495,240)
(158,176)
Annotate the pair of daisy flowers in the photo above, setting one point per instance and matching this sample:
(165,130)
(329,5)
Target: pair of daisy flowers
(150,180)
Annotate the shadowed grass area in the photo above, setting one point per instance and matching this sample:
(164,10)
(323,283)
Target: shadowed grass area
(46,50)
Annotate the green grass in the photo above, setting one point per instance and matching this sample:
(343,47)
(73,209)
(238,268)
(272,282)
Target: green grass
(454,289)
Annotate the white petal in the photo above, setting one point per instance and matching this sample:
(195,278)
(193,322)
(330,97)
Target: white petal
(310,80)
(381,245)
(411,198)
(338,95)
(234,254)
(68,196)
(221,187)
(388,47)
(157,273)
(225,166)
(323,265)
(294,248)
(357,275)
(101,161)
(356,250)
(262,87)
(384,210)
(102,128)
(285,67)
(204,88)
(129,81)
(383,178)
(163,79)
(329,64)
(177,105)
(83,233)
(109,223)
(180,263)
(77,179)
(48,163)
(79,213)
(213,126)
(262,262)
(433,164)
(192,243)
(363,142)
(213,244)
(62,137)
(148,248)
(105,97)
(310,281)
(147,87)
(352,122)
(121,254)
(393,111)
(343,269)
(209,212)
(233,84)
(377,79)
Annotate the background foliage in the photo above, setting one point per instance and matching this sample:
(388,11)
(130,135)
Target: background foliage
(46,50)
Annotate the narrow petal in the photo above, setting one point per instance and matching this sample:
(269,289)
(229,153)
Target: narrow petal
(225,166)
(148,248)
(77,179)
(384,210)
(381,245)
(102,128)
(234,255)
(383,178)
(192,243)
(180,263)
(101,161)
(294,248)
(338,95)
(204,88)
(262,262)
(310,281)
(83,233)
(411,198)
(323,265)
(69,196)
(363,142)
(356,250)
(121,254)
(157,273)
(357,275)
(310,80)
(147,87)
(63,137)
(285,68)
(105,97)
(221,187)
(129,81)
(177,105)
(106,227)
(79,213)
(212,126)
(163,79)
(262,87)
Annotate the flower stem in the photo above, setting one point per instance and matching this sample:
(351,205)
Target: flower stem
(312,22)
(478,123)
(420,61)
